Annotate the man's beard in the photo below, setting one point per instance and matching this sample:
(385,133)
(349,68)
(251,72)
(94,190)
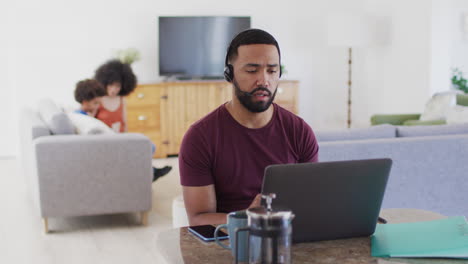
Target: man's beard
(246,98)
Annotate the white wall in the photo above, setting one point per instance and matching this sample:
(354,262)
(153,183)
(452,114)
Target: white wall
(403,66)
(7,118)
(449,42)
(53,44)
(394,78)
(459,38)
(442,32)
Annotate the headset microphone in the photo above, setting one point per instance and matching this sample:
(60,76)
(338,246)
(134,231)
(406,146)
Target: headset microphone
(247,93)
(252,93)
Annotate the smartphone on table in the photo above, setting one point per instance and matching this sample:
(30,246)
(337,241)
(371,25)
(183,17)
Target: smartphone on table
(206,232)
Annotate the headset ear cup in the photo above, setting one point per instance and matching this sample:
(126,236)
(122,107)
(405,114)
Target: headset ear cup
(226,74)
(229,73)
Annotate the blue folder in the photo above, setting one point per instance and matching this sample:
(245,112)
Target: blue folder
(445,238)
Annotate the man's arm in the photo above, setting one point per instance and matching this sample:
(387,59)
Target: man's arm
(200,204)
(308,146)
(197,181)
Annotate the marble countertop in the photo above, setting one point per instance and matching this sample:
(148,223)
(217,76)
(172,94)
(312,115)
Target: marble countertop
(180,246)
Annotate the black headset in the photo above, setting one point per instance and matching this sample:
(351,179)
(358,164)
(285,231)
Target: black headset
(229,72)
(229,69)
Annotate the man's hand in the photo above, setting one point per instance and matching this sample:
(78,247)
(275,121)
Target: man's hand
(256,201)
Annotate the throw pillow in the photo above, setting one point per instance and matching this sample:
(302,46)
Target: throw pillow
(417,131)
(424,123)
(88,125)
(379,131)
(457,115)
(437,107)
(56,120)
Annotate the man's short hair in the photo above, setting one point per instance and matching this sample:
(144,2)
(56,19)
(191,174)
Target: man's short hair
(249,37)
(87,90)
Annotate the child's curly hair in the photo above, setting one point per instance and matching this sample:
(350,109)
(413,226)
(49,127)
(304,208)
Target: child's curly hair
(87,90)
(116,71)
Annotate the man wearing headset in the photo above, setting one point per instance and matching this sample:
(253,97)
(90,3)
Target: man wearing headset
(223,156)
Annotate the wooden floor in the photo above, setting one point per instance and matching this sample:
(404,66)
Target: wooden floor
(93,239)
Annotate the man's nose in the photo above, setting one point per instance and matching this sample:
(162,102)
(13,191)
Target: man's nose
(263,80)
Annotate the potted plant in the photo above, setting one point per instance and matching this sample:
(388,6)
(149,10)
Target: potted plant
(458,81)
(127,56)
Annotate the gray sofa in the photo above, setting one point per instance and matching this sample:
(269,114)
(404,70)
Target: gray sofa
(430,163)
(75,175)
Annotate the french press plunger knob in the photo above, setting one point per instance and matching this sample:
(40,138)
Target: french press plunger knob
(268,199)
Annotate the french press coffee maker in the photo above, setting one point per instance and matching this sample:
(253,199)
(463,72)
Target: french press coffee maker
(269,239)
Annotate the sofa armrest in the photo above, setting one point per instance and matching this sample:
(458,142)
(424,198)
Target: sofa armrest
(95,174)
(393,119)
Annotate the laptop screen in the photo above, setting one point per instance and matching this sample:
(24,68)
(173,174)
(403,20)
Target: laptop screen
(331,200)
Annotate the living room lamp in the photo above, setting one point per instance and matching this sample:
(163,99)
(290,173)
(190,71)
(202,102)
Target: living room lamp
(349,30)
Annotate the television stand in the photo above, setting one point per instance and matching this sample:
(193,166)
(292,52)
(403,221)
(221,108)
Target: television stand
(199,78)
(212,78)
(183,78)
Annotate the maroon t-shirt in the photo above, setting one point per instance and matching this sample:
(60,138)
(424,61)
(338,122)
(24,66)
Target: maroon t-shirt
(218,150)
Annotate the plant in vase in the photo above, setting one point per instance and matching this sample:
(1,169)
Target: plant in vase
(283,69)
(458,81)
(127,56)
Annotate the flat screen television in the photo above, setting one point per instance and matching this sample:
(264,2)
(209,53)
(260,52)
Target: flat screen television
(195,47)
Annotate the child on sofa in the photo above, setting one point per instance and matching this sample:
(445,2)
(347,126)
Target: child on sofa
(89,93)
(118,81)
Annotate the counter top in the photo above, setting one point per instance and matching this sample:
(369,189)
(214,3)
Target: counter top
(179,246)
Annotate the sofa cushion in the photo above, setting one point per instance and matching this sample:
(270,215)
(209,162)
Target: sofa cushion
(457,115)
(437,107)
(31,125)
(379,131)
(56,120)
(88,125)
(424,123)
(417,131)
(462,99)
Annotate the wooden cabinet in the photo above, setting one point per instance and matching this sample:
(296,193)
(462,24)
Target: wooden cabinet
(164,111)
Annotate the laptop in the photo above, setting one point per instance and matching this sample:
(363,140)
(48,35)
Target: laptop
(331,200)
